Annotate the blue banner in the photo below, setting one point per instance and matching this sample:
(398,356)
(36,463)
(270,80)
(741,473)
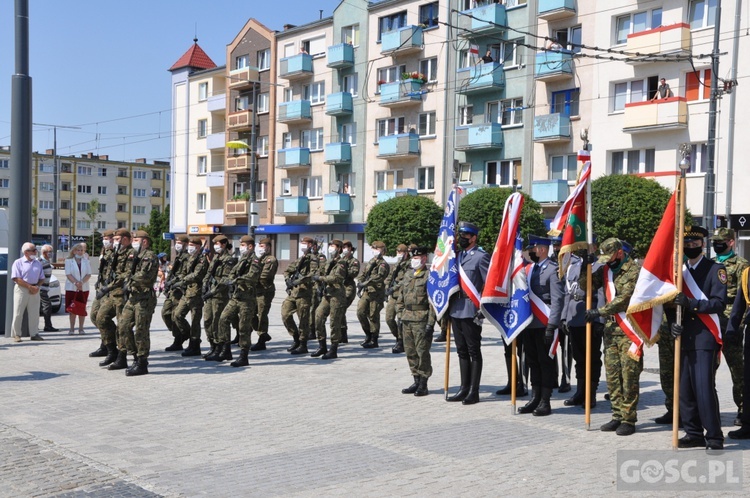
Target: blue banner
(443,280)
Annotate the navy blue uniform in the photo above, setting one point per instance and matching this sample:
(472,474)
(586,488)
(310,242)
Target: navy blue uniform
(736,331)
(468,335)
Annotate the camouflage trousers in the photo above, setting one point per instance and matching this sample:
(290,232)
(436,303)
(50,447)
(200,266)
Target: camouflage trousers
(110,307)
(94,313)
(136,313)
(351,293)
(734,354)
(666,365)
(192,329)
(391,313)
(623,378)
(335,307)
(301,306)
(368,313)
(263,306)
(240,310)
(417,343)
(314,303)
(211,314)
(167,313)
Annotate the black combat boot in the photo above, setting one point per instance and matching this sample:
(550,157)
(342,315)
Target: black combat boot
(536,397)
(102,351)
(175,346)
(412,388)
(368,338)
(294,345)
(422,388)
(322,349)
(193,349)
(140,367)
(476,374)
(211,351)
(242,360)
(120,363)
(224,352)
(261,344)
(579,398)
(215,352)
(301,349)
(544,408)
(442,337)
(742,433)
(331,354)
(132,365)
(465,368)
(664,419)
(111,355)
(399,347)
(372,344)
(344,335)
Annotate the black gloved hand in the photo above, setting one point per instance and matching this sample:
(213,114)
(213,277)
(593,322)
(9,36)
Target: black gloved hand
(682,300)
(592,315)
(591,258)
(549,335)
(676,330)
(478,317)
(564,327)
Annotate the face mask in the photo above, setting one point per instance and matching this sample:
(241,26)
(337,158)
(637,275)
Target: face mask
(416,263)
(107,243)
(260,251)
(720,247)
(178,247)
(401,256)
(243,250)
(376,252)
(303,248)
(332,251)
(79,256)
(533,257)
(693,252)
(218,248)
(136,245)
(191,249)
(116,245)
(464,242)
(345,252)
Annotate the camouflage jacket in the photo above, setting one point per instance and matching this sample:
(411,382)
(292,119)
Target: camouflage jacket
(374,276)
(145,271)
(333,277)
(270,265)
(307,266)
(105,262)
(244,276)
(412,300)
(352,271)
(195,271)
(396,276)
(123,261)
(218,271)
(734,266)
(625,280)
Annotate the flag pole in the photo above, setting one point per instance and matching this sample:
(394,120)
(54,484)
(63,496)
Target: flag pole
(589,293)
(679,239)
(447,357)
(513,376)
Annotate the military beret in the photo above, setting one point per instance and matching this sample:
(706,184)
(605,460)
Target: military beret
(378,245)
(265,241)
(141,234)
(196,240)
(348,243)
(108,233)
(337,243)
(695,232)
(608,248)
(220,238)
(723,234)
(465,226)
(308,240)
(183,238)
(122,232)
(420,251)
(247,239)
(402,248)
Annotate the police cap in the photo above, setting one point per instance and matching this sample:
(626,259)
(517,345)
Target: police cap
(466,227)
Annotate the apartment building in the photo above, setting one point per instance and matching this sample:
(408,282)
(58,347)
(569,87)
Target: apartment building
(125,192)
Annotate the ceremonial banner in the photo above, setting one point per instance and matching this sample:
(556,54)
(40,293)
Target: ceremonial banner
(574,235)
(636,348)
(561,217)
(444,280)
(692,290)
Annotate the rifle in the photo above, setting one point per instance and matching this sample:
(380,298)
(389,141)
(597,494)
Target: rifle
(389,291)
(297,277)
(103,291)
(173,274)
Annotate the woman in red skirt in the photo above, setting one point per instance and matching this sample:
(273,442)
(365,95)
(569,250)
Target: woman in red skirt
(77,276)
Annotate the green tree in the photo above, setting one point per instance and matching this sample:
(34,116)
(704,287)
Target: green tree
(407,220)
(484,207)
(628,207)
(92,213)
(158,224)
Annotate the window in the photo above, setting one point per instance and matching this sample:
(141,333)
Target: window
(635,23)
(202,128)
(139,192)
(466,115)
(155,192)
(4,201)
(315,93)
(387,180)
(351,84)
(44,222)
(312,139)
(286,186)
(122,172)
(65,187)
(512,112)
(702,13)
(102,171)
(156,175)
(202,165)
(260,190)
(64,204)
(391,23)
(264,59)
(64,222)
(464,172)
(122,208)
(263,146)
(264,102)
(66,168)
(139,174)
(288,94)
(241,61)
(139,209)
(83,207)
(84,189)
(122,190)
(46,205)
(507,53)
(289,50)
(570,38)
(564,168)
(350,34)
(238,188)
(390,74)
(48,187)
(122,224)
(566,102)
(4,164)
(390,126)
(101,225)
(698,158)
(46,168)
(498,173)
(202,91)
(427,124)
(426,179)
(138,225)
(286,140)
(242,103)
(633,161)
(348,133)
(84,170)
(698,85)
(201,202)
(311,187)
(346,183)
(464,59)
(102,208)
(428,15)
(315,46)
(4,182)
(429,68)
(633,91)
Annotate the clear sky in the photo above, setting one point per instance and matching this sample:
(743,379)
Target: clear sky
(102,65)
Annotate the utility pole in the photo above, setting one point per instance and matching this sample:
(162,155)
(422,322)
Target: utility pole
(252,214)
(732,110)
(709,195)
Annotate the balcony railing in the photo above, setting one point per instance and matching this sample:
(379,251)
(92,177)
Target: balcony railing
(337,204)
(216,141)
(398,146)
(298,157)
(239,79)
(292,206)
(552,128)
(486,20)
(217,103)
(239,121)
(401,41)
(339,104)
(236,208)
(214,216)
(674,39)
(480,78)
(401,93)
(553,10)
(338,153)
(296,111)
(340,56)
(553,65)
(296,67)
(214,179)
(239,163)
(550,191)
(384,195)
(650,116)
(479,137)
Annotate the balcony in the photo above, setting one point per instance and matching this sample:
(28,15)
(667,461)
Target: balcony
(657,115)
(554,65)
(156,201)
(399,146)
(384,195)
(122,198)
(240,163)
(554,10)
(485,136)
(480,78)
(217,103)
(552,128)
(236,209)
(122,216)
(292,206)
(339,104)
(406,40)
(240,121)
(296,111)
(550,191)
(401,93)
(486,20)
(338,153)
(674,39)
(337,204)
(214,179)
(214,216)
(216,141)
(241,79)
(293,158)
(340,56)
(296,67)
(123,180)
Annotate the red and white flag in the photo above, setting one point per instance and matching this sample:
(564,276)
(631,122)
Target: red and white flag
(579,192)
(497,286)
(474,50)
(656,280)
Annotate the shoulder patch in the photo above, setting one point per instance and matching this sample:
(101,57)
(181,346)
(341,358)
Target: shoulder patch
(722,276)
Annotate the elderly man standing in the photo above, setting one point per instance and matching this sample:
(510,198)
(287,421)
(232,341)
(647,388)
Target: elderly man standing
(46,259)
(28,274)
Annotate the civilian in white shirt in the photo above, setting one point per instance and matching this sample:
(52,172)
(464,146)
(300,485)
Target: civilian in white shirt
(77,276)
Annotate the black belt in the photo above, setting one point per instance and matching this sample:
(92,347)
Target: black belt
(416,307)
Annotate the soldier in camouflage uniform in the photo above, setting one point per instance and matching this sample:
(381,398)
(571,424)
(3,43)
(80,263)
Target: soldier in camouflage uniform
(299,286)
(316,291)
(191,302)
(112,297)
(350,284)
(623,365)
(372,286)
(216,296)
(140,306)
(105,259)
(266,292)
(392,286)
(174,294)
(418,321)
(333,303)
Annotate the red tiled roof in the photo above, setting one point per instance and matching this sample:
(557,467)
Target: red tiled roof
(195,57)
